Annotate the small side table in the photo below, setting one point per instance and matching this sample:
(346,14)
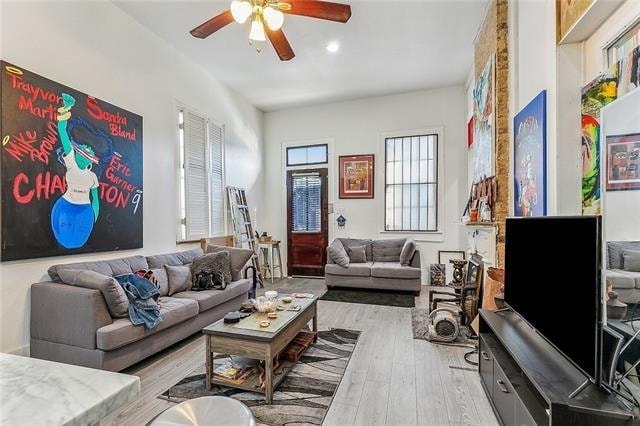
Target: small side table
(267,250)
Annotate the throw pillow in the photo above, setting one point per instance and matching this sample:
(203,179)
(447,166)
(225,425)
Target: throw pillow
(179,278)
(338,254)
(408,250)
(219,262)
(357,254)
(631,261)
(238,256)
(113,294)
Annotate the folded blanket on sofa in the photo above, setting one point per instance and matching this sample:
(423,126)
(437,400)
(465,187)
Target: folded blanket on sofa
(143,296)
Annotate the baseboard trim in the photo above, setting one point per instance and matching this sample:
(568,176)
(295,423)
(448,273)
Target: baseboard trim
(22,351)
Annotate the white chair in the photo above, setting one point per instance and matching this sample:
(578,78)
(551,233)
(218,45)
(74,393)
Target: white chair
(207,410)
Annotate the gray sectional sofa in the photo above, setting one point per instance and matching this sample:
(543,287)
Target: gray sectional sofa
(381,269)
(73,324)
(623,269)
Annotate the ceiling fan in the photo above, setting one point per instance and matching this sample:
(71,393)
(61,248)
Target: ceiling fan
(267,17)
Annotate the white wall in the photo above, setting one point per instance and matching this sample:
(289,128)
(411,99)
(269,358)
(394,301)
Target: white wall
(621,209)
(357,127)
(98,49)
(536,64)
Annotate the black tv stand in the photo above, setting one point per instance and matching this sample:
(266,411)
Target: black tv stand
(529,382)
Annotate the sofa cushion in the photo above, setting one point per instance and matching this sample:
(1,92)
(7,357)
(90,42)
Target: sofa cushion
(622,279)
(238,256)
(615,249)
(357,254)
(388,250)
(351,242)
(121,266)
(354,269)
(394,270)
(407,252)
(114,296)
(179,278)
(174,259)
(631,261)
(122,332)
(338,254)
(208,299)
(163,280)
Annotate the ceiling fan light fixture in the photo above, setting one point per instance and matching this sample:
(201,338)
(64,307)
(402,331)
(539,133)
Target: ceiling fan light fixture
(241,10)
(274,18)
(257,29)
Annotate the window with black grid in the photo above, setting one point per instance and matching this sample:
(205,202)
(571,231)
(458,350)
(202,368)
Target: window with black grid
(306,202)
(411,183)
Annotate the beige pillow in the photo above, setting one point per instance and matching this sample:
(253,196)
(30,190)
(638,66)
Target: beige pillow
(179,278)
(113,293)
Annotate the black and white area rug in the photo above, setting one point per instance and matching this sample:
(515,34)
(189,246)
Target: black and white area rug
(305,394)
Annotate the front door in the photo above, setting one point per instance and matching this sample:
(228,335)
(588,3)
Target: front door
(307,226)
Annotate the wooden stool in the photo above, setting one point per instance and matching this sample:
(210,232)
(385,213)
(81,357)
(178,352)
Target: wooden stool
(267,250)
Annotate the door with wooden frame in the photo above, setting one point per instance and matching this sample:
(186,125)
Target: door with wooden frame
(307,222)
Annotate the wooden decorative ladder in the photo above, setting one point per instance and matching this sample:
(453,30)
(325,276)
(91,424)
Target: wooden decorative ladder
(243,233)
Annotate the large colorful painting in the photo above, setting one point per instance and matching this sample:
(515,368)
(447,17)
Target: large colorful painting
(71,170)
(356,176)
(623,162)
(483,123)
(595,96)
(530,133)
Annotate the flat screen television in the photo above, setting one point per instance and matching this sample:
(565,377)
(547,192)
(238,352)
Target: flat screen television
(552,280)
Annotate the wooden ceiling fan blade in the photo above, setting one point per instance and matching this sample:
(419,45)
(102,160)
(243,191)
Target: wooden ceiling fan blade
(280,44)
(337,12)
(209,27)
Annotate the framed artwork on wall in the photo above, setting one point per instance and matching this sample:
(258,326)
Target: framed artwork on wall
(623,162)
(530,153)
(71,168)
(356,176)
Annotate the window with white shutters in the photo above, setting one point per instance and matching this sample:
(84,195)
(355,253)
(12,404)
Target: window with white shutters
(201,176)
(306,203)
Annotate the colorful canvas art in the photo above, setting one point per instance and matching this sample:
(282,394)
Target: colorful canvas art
(356,176)
(623,162)
(71,170)
(530,130)
(483,124)
(595,95)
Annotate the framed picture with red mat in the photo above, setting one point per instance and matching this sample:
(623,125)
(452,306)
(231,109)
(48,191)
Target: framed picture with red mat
(356,176)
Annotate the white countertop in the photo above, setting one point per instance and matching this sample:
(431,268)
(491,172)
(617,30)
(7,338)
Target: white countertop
(39,392)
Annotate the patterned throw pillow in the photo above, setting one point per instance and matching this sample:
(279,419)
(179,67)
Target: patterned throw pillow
(219,262)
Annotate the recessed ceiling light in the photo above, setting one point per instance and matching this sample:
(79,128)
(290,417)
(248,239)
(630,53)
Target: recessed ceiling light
(333,47)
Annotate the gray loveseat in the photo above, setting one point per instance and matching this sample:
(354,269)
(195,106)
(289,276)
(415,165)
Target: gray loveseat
(73,324)
(623,269)
(381,270)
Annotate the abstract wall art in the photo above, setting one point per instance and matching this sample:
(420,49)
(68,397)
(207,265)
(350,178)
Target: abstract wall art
(595,96)
(70,171)
(530,174)
(356,176)
(623,162)
(483,123)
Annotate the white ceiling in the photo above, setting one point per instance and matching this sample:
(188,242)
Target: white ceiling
(386,47)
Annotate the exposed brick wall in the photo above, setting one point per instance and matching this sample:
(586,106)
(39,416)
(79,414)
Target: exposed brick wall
(493,40)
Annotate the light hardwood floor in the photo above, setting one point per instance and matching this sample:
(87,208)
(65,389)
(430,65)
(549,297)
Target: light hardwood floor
(391,379)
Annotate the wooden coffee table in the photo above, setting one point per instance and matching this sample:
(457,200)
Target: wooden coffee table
(248,339)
